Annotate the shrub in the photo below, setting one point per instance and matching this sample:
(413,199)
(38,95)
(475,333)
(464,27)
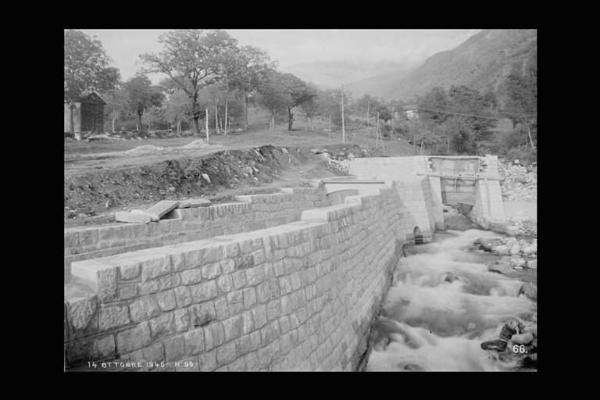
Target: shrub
(526,155)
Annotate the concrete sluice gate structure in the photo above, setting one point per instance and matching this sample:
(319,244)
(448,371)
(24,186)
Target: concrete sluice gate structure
(271,282)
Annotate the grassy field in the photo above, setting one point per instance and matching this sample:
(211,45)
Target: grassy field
(82,157)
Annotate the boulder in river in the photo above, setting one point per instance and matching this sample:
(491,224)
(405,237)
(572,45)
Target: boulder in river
(501,267)
(529,290)
(501,250)
(511,327)
(518,262)
(529,250)
(515,250)
(522,338)
(496,345)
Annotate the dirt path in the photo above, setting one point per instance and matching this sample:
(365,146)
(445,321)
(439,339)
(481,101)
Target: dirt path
(93,197)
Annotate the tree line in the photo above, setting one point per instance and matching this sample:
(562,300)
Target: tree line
(210,81)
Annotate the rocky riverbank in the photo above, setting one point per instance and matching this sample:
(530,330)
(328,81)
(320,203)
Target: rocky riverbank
(516,343)
(516,256)
(519,182)
(517,336)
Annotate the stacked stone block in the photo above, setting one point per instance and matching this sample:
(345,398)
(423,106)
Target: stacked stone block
(250,213)
(298,296)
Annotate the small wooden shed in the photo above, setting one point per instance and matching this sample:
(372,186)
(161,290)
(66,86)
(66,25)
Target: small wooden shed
(85,114)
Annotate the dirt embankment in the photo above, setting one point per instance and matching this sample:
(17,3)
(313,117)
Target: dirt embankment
(99,192)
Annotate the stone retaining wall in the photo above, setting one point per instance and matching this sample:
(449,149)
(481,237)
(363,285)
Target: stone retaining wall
(250,213)
(298,296)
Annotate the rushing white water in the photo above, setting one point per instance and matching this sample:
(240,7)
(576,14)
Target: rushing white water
(444,305)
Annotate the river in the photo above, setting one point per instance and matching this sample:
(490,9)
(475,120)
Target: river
(445,304)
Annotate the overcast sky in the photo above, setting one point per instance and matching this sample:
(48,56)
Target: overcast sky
(294,46)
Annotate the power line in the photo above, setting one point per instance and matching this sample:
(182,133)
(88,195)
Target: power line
(476,115)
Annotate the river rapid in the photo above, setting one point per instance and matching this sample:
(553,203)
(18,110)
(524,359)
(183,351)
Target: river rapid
(445,304)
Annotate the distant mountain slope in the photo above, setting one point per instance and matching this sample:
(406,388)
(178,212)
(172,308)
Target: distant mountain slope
(332,74)
(481,62)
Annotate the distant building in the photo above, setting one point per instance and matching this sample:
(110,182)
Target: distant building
(411,111)
(85,114)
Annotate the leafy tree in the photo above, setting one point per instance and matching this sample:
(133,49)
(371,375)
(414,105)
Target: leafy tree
(328,104)
(272,95)
(462,137)
(432,105)
(521,100)
(248,68)
(192,59)
(311,108)
(298,92)
(86,65)
(141,95)
(156,117)
(177,109)
(116,105)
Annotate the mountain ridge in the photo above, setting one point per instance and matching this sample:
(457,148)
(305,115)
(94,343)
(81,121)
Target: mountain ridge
(481,62)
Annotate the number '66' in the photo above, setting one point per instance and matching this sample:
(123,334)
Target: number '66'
(519,349)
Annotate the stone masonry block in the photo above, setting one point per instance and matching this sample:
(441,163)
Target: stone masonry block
(225,284)
(104,347)
(214,335)
(160,209)
(248,322)
(162,325)
(202,314)
(183,296)
(239,279)
(249,297)
(233,327)
(182,319)
(226,353)
(227,266)
(80,311)
(166,300)
(113,317)
(203,291)
(211,271)
(129,272)
(273,309)
(144,308)
(222,308)
(191,276)
(174,348)
(155,267)
(260,316)
(134,338)
(235,300)
(194,342)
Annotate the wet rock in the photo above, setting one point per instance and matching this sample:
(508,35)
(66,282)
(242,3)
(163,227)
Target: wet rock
(450,277)
(529,250)
(495,345)
(500,267)
(530,361)
(523,338)
(488,244)
(501,250)
(518,262)
(515,250)
(411,367)
(529,290)
(507,332)
(511,327)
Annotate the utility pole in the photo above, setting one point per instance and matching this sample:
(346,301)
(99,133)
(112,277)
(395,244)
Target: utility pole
(368,112)
(377,132)
(343,124)
(206,124)
(393,114)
